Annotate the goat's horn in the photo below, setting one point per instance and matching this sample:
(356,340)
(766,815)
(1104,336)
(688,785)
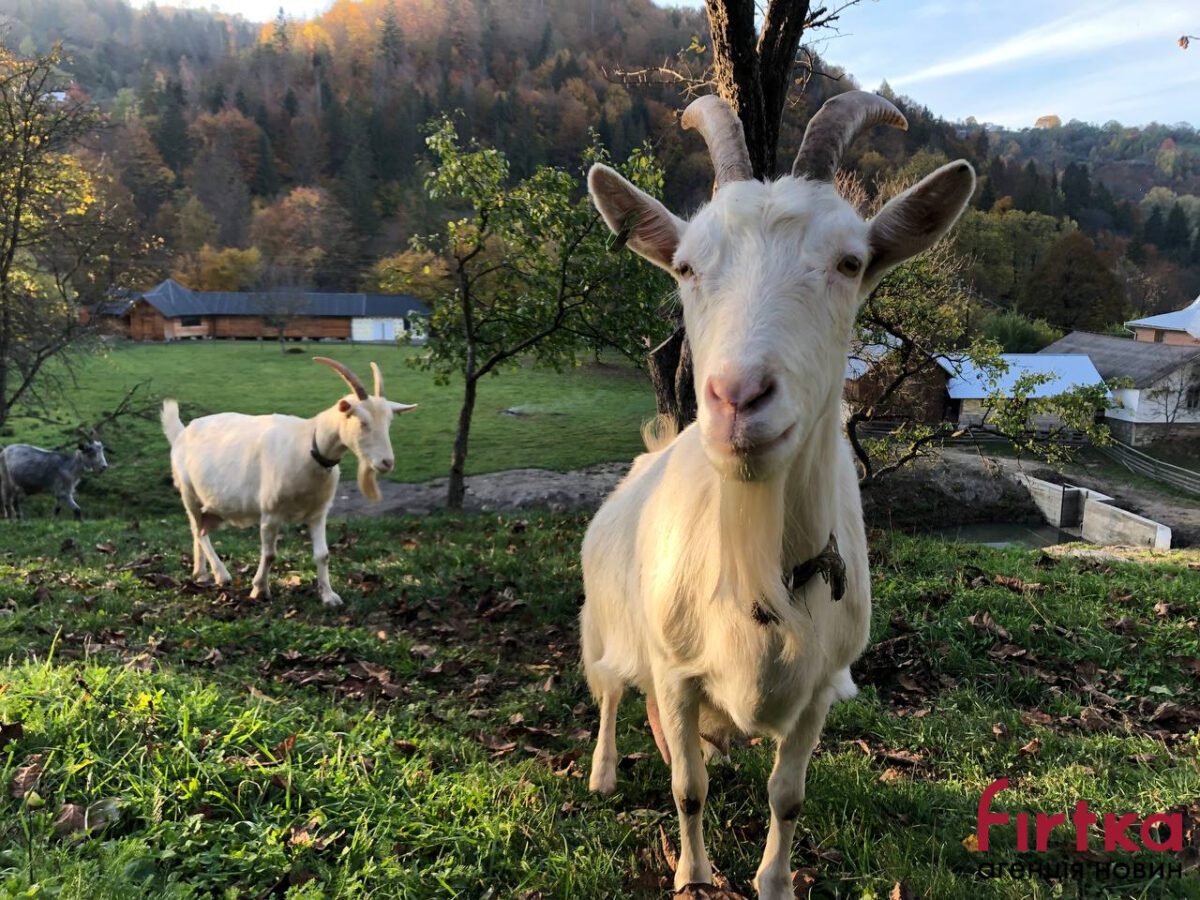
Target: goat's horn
(836,124)
(349,377)
(722,130)
(378,380)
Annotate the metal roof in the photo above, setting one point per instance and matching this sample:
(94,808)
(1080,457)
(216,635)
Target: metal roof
(1066,371)
(1143,362)
(173,300)
(1186,319)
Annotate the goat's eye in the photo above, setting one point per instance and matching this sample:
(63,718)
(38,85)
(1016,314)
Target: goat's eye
(683,270)
(849,266)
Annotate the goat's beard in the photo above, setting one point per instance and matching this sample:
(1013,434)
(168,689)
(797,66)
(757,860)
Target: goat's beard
(367,483)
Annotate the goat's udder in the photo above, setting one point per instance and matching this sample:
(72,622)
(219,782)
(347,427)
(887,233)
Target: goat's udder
(209,522)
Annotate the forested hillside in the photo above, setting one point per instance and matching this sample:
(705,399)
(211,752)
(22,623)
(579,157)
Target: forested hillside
(293,152)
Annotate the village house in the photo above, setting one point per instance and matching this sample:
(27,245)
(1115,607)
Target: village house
(1181,327)
(970,389)
(951,388)
(1162,398)
(171,312)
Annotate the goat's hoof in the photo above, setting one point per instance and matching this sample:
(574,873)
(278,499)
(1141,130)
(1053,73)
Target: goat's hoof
(257,593)
(331,599)
(774,887)
(603,783)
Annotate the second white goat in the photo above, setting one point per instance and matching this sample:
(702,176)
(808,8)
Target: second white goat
(275,469)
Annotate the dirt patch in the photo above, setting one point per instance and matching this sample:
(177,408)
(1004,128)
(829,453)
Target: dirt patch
(513,489)
(955,488)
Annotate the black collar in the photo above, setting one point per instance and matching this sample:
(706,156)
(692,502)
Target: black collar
(828,563)
(323,461)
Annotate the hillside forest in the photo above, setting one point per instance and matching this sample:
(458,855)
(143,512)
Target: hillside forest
(239,155)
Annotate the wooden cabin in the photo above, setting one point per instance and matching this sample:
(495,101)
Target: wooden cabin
(172,312)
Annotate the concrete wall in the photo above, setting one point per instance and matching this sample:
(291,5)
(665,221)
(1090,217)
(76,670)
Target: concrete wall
(1062,505)
(1068,506)
(1048,498)
(1108,526)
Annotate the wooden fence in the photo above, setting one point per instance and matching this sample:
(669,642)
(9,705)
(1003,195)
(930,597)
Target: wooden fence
(1138,462)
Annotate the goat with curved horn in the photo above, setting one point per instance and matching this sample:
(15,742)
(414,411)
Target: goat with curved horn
(378,379)
(835,126)
(722,131)
(349,377)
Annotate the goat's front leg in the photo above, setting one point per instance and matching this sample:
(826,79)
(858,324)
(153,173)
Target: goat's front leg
(679,715)
(316,528)
(786,792)
(261,587)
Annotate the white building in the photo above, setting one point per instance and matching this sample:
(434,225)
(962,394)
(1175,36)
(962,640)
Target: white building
(1162,397)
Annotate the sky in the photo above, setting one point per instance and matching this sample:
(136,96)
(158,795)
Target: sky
(1001,61)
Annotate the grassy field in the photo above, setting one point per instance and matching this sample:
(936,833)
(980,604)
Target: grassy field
(430,739)
(570,419)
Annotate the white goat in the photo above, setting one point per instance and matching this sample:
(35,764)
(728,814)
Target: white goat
(699,569)
(271,470)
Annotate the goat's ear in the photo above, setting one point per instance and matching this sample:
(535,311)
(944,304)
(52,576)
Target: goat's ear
(640,221)
(345,406)
(403,407)
(914,221)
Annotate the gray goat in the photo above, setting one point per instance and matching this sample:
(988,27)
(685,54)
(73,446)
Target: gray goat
(26,470)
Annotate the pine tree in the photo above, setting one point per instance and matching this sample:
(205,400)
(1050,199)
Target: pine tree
(280,37)
(1176,232)
(391,38)
(266,177)
(1076,189)
(170,133)
(1154,229)
(358,182)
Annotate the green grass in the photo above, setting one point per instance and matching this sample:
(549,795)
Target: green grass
(432,730)
(575,418)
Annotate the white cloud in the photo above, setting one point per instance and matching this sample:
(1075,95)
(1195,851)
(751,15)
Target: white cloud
(1084,32)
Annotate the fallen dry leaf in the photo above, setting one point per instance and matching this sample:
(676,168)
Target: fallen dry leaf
(901,892)
(668,849)
(1032,747)
(26,776)
(71,818)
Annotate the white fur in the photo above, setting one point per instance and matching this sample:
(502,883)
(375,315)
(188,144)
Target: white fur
(698,532)
(258,470)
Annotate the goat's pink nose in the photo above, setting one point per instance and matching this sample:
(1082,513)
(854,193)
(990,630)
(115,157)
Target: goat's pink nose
(730,395)
(385,465)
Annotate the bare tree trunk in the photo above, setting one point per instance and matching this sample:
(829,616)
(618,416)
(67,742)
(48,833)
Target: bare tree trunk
(670,366)
(754,72)
(458,457)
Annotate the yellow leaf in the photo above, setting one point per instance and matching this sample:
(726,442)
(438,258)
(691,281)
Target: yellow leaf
(971,842)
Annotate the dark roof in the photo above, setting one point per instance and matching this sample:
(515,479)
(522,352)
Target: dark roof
(1144,362)
(173,300)
(116,308)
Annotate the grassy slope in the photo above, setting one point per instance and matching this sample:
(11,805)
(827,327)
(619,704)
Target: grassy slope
(430,731)
(578,417)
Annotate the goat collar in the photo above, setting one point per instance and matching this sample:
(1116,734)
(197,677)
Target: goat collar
(828,563)
(321,460)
